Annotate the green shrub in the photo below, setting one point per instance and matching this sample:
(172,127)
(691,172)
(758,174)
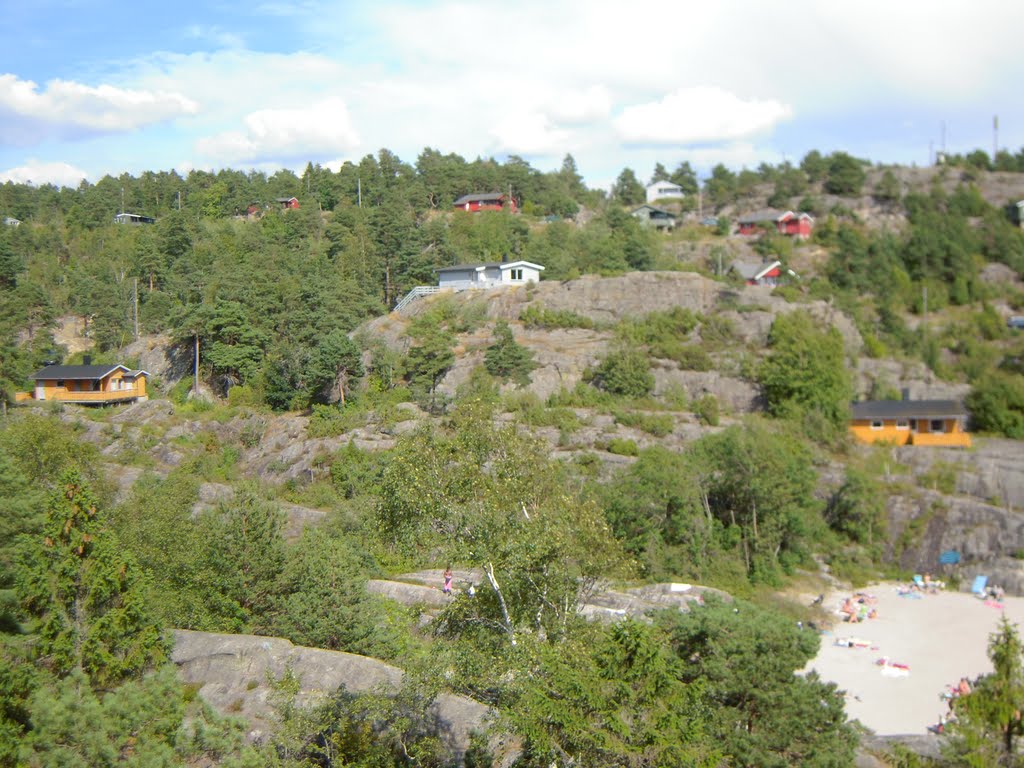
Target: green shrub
(693,357)
(657,328)
(539,317)
(622,446)
(246,395)
(582,396)
(706,410)
(941,477)
(659,425)
(717,330)
(625,372)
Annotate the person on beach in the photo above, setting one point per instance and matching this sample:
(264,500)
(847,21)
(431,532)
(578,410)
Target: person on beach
(448,580)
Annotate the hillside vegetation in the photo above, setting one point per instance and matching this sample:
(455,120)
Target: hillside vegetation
(639,416)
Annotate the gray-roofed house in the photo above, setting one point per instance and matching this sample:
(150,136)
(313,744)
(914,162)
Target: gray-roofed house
(488,275)
(87,384)
(760,272)
(653,216)
(795,224)
(910,422)
(133,218)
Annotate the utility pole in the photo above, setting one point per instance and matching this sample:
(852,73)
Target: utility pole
(995,138)
(122,199)
(195,385)
(359,191)
(136,303)
(179,199)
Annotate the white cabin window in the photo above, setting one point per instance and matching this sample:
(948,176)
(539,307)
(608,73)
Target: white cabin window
(876,424)
(937,425)
(516,274)
(902,424)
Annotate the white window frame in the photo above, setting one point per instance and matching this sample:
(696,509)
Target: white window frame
(902,424)
(877,424)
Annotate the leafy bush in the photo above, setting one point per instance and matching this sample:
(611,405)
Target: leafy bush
(692,357)
(706,410)
(997,404)
(582,396)
(626,372)
(622,446)
(658,328)
(539,317)
(657,424)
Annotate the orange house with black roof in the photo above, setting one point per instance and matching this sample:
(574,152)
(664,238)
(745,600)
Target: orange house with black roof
(87,384)
(910,422)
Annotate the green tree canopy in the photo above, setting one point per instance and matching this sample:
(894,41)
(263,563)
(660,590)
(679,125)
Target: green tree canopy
(90,597)
(806,370)
(506,359)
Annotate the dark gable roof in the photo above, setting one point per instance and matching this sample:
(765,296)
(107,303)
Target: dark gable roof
(907,409)
(758,217)
(74,371)
(486,197)
(469,267)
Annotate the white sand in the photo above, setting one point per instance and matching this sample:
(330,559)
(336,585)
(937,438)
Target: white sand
(941,637)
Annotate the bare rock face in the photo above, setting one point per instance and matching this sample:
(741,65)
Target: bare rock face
(157,355)
(980,532)
(235,674)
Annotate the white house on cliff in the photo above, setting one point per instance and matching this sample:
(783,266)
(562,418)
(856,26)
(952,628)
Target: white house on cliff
(488,275)
(465,277)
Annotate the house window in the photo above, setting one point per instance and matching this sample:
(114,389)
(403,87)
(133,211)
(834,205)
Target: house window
(937,425)
(913,424)
(516,274)
(876,424)
(901,424)
(60,382)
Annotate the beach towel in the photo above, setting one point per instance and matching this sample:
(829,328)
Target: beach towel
(891,671)
(852,642)
(978,587)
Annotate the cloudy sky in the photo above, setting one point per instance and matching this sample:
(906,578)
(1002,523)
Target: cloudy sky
(94,87)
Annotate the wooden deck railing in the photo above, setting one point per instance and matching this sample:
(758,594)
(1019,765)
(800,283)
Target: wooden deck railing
(111,396)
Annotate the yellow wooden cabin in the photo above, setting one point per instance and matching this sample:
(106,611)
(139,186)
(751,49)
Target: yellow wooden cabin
(910,422)
(87,384)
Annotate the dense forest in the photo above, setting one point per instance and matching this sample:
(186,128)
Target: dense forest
(94,577)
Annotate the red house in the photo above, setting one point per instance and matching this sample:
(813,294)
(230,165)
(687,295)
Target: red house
(786,223)
(765,273)
(488,201)
(288,202)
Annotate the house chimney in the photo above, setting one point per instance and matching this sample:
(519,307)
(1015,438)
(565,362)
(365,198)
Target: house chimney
(86,359)
(504,258)
(906,393)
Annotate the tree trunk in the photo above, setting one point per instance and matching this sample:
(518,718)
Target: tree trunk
(506,620)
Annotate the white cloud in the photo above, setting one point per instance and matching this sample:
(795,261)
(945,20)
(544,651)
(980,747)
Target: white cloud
(529,134)
(68,108)
(581,106)
(699,115)
(35,172)
(310,132)
(216,35)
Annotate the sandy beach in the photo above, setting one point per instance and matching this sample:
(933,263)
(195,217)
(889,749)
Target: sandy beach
(939,637)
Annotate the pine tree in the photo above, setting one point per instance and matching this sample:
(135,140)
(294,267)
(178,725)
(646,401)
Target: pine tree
(89,596)
(506,359)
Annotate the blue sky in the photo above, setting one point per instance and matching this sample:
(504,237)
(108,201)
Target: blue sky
(93,87)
